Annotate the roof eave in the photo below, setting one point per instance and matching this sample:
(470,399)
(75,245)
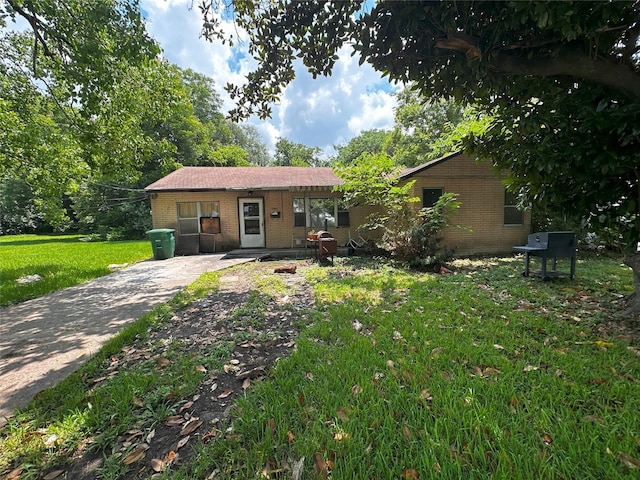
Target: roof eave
(412,171)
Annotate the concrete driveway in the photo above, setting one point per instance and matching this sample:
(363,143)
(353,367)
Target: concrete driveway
(45,339)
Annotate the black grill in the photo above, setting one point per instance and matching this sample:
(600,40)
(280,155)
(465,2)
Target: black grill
(551,245)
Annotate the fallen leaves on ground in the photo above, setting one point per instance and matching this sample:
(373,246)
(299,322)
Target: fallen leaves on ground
(162,362)
(629,461)
(410,474)
(320,465)
(53,475)
(191,426)
(136,455)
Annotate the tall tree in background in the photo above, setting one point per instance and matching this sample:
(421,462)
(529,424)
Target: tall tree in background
(88,42)
(90,115)
(37,145)
(370,141)
(500,56)
(422,126)
(64,106)
(248,137)
(292,154)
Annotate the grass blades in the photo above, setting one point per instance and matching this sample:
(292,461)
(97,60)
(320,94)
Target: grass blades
(60,260)
(474,375)
(401,374)
(106,397)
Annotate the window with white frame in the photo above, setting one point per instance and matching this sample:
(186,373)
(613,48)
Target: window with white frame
(189,214)
(513,214)
(320,213)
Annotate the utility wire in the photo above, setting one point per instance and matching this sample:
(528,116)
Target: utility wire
(141,190)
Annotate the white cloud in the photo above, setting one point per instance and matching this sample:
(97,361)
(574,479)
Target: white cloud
(176,26)
(330,111)
(322,112)
(376,112)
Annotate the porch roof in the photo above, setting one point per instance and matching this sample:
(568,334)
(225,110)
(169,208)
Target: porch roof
(246,178)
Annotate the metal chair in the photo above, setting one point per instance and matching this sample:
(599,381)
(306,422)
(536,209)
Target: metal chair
(359,243)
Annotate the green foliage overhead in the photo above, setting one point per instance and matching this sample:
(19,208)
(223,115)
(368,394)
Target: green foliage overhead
(560,79)
(88,43)
(470,50)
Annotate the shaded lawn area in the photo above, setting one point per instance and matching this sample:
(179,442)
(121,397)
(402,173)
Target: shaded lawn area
(60,260)
(397,374)
(474,375)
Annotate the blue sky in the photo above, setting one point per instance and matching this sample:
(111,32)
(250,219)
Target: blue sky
(320,113)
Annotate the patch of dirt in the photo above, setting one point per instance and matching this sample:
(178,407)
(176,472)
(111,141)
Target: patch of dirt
(257,337)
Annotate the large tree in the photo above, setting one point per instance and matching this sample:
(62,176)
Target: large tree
(90,42)
(571,68)
(372,142)
(423,125)
(293,154)
(89,112)
(73,91)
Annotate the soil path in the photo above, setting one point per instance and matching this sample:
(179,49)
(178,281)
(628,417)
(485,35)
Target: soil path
(45,339)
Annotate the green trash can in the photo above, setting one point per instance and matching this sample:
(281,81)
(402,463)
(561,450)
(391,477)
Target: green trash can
(163,243)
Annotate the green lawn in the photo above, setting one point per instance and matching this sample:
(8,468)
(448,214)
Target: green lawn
(400,375)
(481,374)
(60,260)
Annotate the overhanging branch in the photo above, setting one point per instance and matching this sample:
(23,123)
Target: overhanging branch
(574,64)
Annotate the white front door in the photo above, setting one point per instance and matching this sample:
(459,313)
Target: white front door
(251,223)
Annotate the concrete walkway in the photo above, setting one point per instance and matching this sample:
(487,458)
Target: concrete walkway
(45,339)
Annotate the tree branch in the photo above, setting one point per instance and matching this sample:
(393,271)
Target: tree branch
(36,24)
(574,64)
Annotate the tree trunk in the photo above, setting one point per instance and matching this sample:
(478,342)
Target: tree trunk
(633,305)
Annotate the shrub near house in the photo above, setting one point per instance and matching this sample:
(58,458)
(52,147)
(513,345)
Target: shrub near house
(271,207)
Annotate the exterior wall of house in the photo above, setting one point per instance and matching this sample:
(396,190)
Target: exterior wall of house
(279,229)
(482,195)
(479,190)
(165,215)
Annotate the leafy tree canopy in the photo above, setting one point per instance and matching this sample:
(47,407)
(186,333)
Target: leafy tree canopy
(422,127)
(370,141)
(87,42)
(469,50)
(88,170)
(292,154)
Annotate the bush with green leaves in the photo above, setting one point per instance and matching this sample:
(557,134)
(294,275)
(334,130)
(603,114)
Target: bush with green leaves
(422,238)
(407,233)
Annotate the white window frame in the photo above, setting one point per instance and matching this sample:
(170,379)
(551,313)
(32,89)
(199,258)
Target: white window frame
(199,210)
(511,208)
(337,209)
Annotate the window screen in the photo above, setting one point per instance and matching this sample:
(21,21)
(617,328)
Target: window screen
(513,215)
(190,213)
(188,218)
(321,212)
